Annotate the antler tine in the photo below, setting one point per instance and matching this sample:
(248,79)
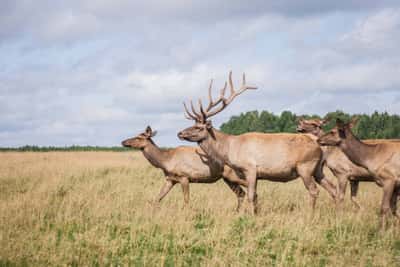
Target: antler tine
(211,103)
(199,117)
(233,94)
(243,88)
(223,89)
(194,115)
(210,100)
(189,115)
(209,91)
(231,83)
(202,110)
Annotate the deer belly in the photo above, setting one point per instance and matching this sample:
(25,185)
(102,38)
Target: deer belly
(277,175)
(199,175)
(363,178)
(203,179)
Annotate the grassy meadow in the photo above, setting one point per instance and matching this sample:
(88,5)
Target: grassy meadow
(92,209)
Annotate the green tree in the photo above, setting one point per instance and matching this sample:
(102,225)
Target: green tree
(374,126)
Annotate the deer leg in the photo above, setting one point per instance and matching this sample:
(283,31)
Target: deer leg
(388,191)
(238,192)
(305,171)
(185,189)
(328,186)
(341,188)
(324,182)
(165,190)
(232,176)
(354,190)
(251,177)
(393,202)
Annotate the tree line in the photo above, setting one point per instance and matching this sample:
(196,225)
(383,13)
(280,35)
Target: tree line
(374,126)
(28,148)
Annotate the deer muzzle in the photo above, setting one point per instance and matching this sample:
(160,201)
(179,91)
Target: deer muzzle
(181,135)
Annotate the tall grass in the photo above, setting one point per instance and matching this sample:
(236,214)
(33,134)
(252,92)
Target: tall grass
(92,208)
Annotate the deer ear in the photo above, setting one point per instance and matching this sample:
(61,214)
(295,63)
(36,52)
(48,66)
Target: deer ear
(148,130)
(339,123)
(353,121)
(299,119)
(154,133)
(325,121)
(208,125)
(342,133)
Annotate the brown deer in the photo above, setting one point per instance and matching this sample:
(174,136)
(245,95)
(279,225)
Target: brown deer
(338,163)
(382,160)
(184,165)
(275,157)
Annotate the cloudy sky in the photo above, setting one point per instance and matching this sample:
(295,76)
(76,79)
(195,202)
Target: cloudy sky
(95,72)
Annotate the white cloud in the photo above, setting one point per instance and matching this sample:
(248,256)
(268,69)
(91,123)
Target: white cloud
(69,21)
(94,72)
(376,32)
(101,114)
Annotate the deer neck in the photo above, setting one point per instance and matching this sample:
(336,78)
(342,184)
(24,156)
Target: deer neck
(315,134)
(357,151)
(216,146)
(155,155)
(318,132)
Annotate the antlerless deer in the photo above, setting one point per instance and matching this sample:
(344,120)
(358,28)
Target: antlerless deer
(382,160)
(344,170)
(184,165)
(277,157)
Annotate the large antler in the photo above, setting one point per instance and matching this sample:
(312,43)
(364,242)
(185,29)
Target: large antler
(225,101)
(194,115)
(208,112)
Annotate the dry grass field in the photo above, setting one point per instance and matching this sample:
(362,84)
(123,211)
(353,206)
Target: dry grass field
(92,209)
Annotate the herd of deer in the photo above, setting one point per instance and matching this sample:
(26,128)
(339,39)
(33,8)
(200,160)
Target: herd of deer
(241,160)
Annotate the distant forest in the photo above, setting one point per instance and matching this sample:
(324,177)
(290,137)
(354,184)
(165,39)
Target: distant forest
(374,126)
(66,148)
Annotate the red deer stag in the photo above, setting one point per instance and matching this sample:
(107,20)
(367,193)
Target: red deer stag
(276,157)
(338,163)
(382,160)
(184,165)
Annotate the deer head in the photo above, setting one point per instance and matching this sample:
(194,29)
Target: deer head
(313,126)
(140,141)
(339,133)
(202,128)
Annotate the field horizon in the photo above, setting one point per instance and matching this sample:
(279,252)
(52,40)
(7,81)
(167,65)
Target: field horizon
(94,209)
